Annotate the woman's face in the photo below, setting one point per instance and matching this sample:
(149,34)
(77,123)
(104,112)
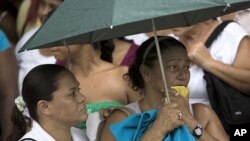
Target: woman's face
(68,104)
(62,53)
(46,7)
(176,67)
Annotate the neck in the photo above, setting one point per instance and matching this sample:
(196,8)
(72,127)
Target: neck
(150,100)
(85,61)
(59,132)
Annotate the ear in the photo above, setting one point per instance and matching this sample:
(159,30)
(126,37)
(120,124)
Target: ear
(145,72)
(44,108)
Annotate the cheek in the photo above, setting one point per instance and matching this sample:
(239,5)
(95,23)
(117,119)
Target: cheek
(62,110)
(170,79)
(156,79)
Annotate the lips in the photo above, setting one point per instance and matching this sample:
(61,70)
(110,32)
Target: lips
(180,85)
(83,109)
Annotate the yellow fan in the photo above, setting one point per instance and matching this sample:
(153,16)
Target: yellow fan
(182,90)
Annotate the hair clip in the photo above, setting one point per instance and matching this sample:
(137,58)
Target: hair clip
(21,105)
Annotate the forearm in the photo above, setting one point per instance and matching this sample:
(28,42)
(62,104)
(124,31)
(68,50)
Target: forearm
(191,122)
(236,77)
(8,73)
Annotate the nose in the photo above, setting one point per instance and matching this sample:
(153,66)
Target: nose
(81,98)
(183,75)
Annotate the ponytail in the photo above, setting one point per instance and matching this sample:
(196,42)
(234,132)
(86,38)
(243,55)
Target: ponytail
(20,125)
(107,47)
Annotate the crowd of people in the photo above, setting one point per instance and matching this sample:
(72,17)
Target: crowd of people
(62,92)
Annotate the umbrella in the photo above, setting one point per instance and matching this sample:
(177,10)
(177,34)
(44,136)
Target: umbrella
(88,21)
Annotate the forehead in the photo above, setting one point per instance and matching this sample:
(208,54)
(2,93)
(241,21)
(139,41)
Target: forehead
(66,80)
(174,52)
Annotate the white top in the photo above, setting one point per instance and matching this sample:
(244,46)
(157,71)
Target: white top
(138,38)
(39,134)
(134,106)
(243,18)
(92,125)
(29,59)
(223,49)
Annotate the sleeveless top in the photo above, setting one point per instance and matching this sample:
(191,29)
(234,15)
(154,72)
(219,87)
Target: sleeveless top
(134,106)
(224,48)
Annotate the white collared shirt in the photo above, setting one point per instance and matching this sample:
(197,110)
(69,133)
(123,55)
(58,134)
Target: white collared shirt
(39,134)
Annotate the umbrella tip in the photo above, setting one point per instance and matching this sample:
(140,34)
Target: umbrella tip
(227,6)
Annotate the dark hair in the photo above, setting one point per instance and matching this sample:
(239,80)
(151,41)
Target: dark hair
(39,84)
(147,54)
(107,47)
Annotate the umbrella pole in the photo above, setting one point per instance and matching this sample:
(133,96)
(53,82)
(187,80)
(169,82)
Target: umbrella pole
(167,100)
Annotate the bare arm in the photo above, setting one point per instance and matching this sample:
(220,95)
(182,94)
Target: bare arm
(237,74)
(105,134)
(213,129)
(8,87)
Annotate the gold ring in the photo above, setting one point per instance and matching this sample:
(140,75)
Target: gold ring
(177,94)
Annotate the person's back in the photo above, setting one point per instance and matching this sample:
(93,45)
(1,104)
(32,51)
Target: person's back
(105,80)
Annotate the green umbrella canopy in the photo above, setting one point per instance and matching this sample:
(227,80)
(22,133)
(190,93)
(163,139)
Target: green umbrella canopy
(87,21)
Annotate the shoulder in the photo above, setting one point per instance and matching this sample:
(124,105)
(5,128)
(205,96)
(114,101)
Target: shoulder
(115,116)
(234,26)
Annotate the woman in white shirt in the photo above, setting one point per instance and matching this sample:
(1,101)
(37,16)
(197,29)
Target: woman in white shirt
(55,105)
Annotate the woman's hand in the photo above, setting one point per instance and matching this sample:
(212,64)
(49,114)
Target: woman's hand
(198,53)
(168,118)
(183,105)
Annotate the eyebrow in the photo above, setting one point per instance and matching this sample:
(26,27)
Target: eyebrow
(72,89)
(175,59)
